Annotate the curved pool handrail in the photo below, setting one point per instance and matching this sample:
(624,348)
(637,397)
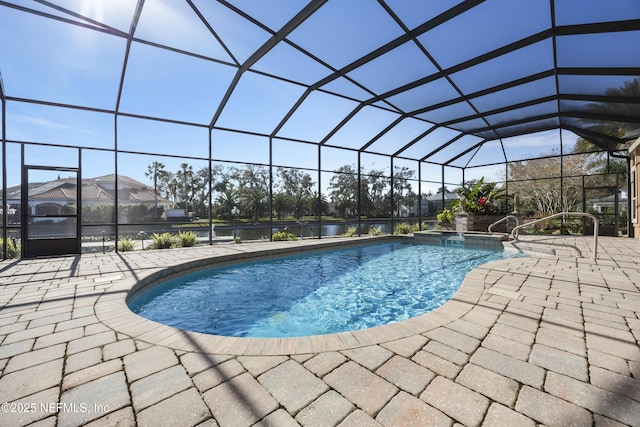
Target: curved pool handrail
(596,224)
(506,218)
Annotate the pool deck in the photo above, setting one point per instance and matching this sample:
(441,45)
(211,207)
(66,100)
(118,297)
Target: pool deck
(549,339)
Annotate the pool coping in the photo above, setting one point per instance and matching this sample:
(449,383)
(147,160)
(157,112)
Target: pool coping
(111,308)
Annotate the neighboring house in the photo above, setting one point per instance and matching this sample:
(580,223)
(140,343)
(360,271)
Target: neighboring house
(607,204)
(56,197)
(431,205)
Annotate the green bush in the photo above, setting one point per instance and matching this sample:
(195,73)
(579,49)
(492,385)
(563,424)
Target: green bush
(447,216)
(13,250)
(125,244)
(283,235)
(375,231)
(480,198)
(163,241)
(351,231)
(403,228)
(427,225)
(187,239)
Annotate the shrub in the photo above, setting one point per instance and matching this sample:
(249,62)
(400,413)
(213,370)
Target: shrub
(447,216)
(163,241)
(13,250)
(283,235)
(427,225)
(351,231)
(403,228)
(375,231)
(125,244)
(480,198)
(187,239)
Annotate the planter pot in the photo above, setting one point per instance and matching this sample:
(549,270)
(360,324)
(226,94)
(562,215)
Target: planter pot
(603,230)
(482,223)
(446,226)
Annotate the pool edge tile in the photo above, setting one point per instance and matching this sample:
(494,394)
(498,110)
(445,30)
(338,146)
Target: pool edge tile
(112,309)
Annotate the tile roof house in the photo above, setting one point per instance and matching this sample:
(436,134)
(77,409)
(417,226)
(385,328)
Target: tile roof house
(53,197)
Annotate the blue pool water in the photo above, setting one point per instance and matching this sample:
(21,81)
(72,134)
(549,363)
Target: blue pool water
(314,293)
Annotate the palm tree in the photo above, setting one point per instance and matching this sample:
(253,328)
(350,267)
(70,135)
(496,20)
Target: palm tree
(156,172)
(226,201)
(185,183)
(253,201)
(629,90)
(281,202)
(318,203)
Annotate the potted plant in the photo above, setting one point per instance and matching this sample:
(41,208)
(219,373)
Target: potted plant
(480,204)
(447,217)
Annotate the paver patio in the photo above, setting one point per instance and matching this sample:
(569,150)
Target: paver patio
(546,339)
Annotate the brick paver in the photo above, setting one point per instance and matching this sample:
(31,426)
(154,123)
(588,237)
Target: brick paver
(613,405)
(94,399)
(150,390)
(494,386)
(499,416)
(552,340)
(509,367)
(324,363)
(362,387)
(506,346)
(278,418)
(36,357)
(222,372)
(292,385)
(407,375)
(91,373)
(183,409)
(458,402)
(241,401)
(148,361)
(436,364)
(407,410)
(360,419)
(548,409)
(325,411)
(19,384)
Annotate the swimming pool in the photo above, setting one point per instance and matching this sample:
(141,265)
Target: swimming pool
(315,293)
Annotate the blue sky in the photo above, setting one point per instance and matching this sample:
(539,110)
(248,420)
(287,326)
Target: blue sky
(55,62)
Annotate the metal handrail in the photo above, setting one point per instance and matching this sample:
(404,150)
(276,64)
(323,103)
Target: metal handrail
(596,224)
(506,218)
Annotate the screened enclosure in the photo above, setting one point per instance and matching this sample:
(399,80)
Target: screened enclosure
(240,119)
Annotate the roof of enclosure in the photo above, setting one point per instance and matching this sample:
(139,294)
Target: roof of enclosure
(424,80)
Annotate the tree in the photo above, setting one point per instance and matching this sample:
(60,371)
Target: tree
(401,184)
(252,191)
(157,173)
(375,193)
(298,186)
(319,204)
(343,191)
(280,203)
(171,188)
(226,202)
(200,191)
(630,90)
(538,183)
(184,183)
(223,185)
(598,159)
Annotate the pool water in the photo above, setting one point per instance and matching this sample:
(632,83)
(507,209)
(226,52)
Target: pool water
(314,293)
